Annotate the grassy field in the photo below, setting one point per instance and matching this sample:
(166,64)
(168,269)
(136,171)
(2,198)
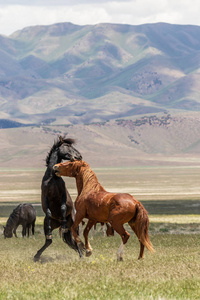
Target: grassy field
(172,272)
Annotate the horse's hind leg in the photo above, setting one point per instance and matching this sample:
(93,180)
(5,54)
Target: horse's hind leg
(28,229)
(63,212)
(85,234)
(54,224)
(46,245)
(124,236)
(47,220)
(23,230)
(103,229)
(33,227)
(109,230)
(141,254)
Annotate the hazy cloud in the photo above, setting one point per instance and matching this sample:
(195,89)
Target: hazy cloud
(56,2)
(17,14)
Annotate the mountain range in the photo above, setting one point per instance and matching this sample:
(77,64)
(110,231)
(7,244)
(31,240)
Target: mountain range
(132,89)
(70,74)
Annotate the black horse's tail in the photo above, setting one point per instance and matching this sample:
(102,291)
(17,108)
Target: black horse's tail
(68,239)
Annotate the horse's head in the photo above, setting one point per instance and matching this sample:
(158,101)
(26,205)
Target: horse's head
(7,232)
(67,151)
(70,169)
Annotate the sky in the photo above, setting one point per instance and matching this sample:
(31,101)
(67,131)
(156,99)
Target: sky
(18,14)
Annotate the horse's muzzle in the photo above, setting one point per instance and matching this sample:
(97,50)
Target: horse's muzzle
(76,158)
(56,171)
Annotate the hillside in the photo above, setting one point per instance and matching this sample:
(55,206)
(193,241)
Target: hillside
(152,140)
(129,95)
(70,74)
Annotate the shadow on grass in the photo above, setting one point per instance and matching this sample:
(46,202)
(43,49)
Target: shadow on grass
(168,207)
(172,207)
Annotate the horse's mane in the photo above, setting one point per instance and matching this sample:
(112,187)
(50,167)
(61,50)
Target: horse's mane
(61,140)
(14,216)
(90,180)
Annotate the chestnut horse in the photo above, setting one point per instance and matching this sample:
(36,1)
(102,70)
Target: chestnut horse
(96,204)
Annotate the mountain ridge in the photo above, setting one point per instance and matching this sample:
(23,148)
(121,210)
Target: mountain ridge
(128,94)
(66,63)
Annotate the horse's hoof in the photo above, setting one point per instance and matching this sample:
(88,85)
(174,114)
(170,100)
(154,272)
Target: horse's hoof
(119,258)
(88,253)
(36,258)
(81,246)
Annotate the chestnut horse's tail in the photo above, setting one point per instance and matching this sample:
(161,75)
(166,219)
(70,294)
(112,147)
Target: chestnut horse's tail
(140,225)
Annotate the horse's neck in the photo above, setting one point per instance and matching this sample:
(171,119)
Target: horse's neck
(79,184)
(13,219)
(54,159)
(87,181)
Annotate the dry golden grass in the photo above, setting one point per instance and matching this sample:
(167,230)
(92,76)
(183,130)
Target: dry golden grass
(145,183)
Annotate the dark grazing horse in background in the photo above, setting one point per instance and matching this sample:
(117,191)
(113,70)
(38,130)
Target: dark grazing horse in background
(23,214)
(109,231)
(97,205)
(56,201)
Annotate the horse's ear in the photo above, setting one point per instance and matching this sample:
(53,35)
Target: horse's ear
(61,139)
(84,164)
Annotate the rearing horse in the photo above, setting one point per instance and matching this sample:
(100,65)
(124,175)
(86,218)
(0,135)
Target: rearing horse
(96,204)
(56,201)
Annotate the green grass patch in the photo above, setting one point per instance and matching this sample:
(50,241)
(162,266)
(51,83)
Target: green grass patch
(172,272)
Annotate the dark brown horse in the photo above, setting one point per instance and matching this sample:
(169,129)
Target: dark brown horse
(23,214)
(109,231)
(56,201)
(96,204)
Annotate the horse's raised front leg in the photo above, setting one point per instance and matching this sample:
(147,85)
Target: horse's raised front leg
(74,229)
(85,234)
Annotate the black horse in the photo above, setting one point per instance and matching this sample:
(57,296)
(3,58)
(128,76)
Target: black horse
(23,214)
(56,201)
